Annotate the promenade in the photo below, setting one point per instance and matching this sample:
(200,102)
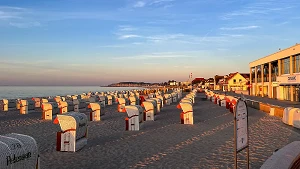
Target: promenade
(163,143)
(282,103)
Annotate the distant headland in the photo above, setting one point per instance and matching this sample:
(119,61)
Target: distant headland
(134,84)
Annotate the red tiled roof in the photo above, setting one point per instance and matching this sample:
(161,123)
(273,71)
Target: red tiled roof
(245,75)
(199,78)
(230,76)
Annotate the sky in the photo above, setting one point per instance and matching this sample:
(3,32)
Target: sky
(98,42)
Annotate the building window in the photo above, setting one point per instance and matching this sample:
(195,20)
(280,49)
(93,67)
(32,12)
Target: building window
(285,66)
(297,63)
(259,73)
(234,80)
(253,74)
(240,80)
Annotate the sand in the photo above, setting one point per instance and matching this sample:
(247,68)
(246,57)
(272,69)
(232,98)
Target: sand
(163,143)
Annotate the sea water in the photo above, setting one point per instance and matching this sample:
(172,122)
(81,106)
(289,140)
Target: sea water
(14,92)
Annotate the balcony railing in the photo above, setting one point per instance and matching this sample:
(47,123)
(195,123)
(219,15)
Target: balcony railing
(266,79)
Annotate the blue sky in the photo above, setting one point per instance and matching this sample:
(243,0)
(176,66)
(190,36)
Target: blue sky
(97,42)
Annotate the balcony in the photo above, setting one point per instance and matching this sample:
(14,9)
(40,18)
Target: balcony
(258,80)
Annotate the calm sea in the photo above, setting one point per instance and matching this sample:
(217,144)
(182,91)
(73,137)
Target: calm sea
(14,92)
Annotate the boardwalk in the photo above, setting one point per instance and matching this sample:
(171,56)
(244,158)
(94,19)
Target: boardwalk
(163,143)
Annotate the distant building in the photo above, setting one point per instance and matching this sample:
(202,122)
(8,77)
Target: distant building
(198,80)
(172,82)
(236,81)
(277,75)
(209,83)
(216,82)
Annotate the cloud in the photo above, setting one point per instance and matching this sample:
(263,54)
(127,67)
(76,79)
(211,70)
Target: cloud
(181,38)
(282,23)
(9,12)
(143,3)
(126,28)
(240,28)
(137,43)
(233,35)
(166,37)
(25,25)
(139,4)
(111,46)
(129,36)
(163,55)
(259,9)
(160,1)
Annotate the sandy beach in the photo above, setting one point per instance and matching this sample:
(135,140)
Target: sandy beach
(163,143)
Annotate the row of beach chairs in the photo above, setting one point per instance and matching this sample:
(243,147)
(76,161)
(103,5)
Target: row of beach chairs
(74,125)
(186,104)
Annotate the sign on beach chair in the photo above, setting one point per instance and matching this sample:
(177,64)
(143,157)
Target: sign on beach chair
(18,151)
(95,111)
(186,116)
(4,104)
(26,106)
(191,96)
(73,134)
(48,109)
(149,110)
(134,117)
